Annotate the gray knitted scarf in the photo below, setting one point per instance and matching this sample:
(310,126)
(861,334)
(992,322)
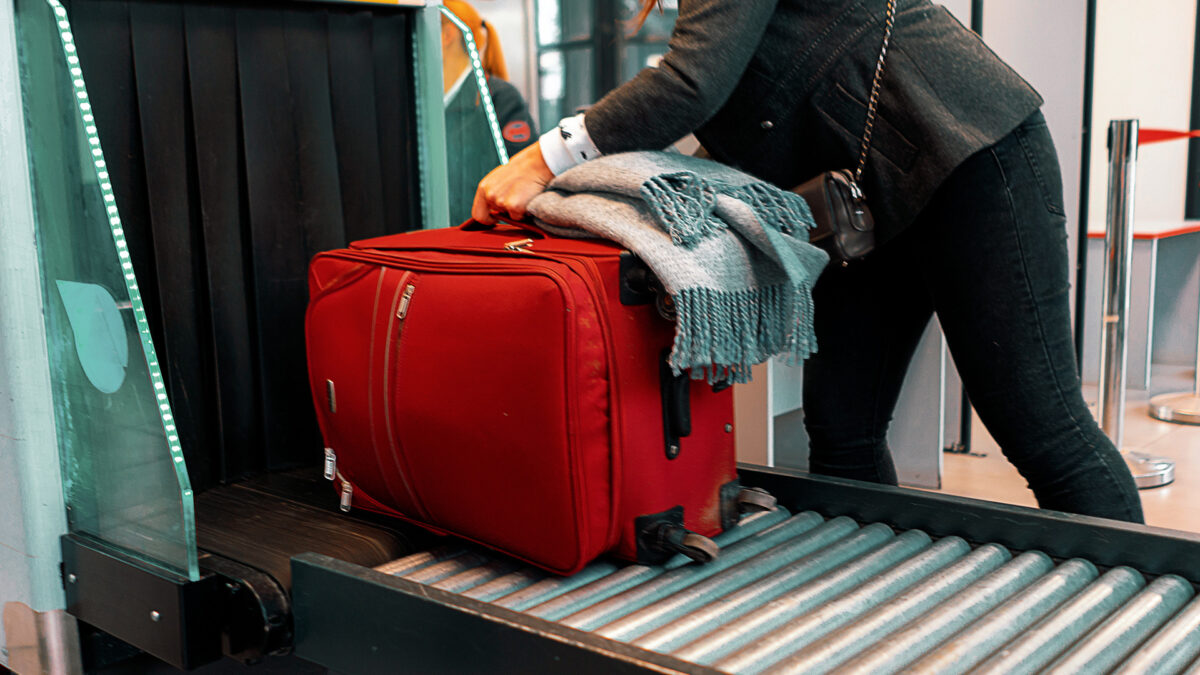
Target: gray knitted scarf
(731,250)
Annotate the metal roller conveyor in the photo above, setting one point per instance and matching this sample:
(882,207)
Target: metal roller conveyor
(1172,648)
(804,594)
(472,578)
(787,564)
(550,587)
(1036,647)
(416,561)
(575,605)
(1125,629)
(843,644)
(431,574)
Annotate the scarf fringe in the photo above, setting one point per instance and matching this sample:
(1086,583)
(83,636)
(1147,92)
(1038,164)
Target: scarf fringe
(683,203)
(786,211)
(719,335)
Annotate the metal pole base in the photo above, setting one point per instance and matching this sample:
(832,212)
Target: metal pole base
(1181,408)
(1149,471)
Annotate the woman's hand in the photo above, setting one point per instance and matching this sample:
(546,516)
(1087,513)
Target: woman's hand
(509,187)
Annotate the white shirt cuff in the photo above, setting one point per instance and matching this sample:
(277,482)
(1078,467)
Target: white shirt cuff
(567,145)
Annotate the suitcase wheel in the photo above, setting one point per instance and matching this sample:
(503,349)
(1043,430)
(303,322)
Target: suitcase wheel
(699,548)
(754,500)
(668,537)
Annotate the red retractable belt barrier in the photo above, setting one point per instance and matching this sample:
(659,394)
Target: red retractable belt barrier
(1147,136)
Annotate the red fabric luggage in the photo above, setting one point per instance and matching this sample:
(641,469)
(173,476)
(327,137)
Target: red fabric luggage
(510,388)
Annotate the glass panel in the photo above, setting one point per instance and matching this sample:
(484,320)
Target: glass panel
(551,69)
(549,25)
(561,21)
(124,477)
(567,81)
(473,142)
(658,24)
(579,86)
(641,50)
(577,19)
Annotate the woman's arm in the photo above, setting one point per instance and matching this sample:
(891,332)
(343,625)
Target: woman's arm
(710,47)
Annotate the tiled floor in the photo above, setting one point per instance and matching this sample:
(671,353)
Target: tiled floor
(1175,506)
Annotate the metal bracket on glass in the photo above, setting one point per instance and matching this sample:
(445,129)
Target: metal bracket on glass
(1148,471)
(231,609)
(174,618)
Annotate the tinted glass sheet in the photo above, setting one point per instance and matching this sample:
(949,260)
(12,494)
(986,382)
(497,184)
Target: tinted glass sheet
(124,476)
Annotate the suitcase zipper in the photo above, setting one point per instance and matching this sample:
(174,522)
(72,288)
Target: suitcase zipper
(391,361)
(402,310)
(347,494)
(330,464)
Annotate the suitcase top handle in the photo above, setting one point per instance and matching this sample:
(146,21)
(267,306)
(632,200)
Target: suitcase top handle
(528,228)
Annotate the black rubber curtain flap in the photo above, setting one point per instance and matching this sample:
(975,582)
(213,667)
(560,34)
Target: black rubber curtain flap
(356,123)
(277,202)
(212,75)
(161,87)
(242,139)
(391,42)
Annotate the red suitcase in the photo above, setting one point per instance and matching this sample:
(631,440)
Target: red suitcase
(510,388)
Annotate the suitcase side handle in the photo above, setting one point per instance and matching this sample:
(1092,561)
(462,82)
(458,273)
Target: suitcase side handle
(676,405)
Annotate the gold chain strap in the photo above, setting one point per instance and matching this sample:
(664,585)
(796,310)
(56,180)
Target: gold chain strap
(875,85)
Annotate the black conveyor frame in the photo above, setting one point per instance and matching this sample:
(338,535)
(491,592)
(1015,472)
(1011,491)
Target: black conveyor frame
(356,620)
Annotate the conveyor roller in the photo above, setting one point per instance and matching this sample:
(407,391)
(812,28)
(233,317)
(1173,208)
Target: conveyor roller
(802,594)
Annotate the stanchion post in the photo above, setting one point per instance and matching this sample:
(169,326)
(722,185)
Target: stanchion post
(1118,258)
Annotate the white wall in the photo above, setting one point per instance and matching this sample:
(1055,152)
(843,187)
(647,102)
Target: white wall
(960,9)
(1144,54)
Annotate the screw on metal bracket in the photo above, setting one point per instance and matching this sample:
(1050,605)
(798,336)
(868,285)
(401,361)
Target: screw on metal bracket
(155,616)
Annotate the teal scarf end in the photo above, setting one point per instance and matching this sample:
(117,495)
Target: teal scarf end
(737,329)
(787,211)
(683,203)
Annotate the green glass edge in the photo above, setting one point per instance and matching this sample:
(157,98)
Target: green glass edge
(485,94)
(135,297)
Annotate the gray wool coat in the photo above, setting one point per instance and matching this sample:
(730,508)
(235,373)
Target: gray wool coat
(778,88)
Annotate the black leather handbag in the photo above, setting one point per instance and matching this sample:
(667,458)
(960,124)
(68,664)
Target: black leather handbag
(844,226)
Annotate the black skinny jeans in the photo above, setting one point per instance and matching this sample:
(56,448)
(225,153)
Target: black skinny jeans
(989,255)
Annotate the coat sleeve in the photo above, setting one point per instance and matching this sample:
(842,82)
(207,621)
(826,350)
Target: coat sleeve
(710,47)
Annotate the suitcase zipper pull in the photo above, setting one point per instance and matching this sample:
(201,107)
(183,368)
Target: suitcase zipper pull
(330,463)
(347,495)
(405,299)
(518,245)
